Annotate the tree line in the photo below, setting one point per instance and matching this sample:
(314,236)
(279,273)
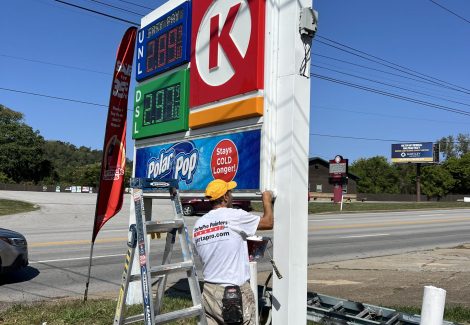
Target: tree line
(451,176)
(26,157)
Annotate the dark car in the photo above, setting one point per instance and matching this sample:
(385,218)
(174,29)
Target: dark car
(13,250)
(192,206)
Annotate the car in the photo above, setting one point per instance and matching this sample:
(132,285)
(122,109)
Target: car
(192,206)
(13,251)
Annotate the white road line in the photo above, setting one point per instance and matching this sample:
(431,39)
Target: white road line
(360,236)
(431,215)
(74,259)
(321,220)
(117,230)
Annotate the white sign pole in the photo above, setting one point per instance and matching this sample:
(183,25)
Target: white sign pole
(288,95)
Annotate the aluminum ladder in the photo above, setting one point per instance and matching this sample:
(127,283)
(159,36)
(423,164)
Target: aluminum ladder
(154,278)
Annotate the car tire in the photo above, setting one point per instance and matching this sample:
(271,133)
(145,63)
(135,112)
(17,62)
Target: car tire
(188,210)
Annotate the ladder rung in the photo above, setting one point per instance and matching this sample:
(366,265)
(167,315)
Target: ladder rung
(171,268)
(168,317)
(178,314)
(164,225)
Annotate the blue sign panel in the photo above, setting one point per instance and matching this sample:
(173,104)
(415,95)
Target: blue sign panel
(421,152)
(196,162)
(165,43)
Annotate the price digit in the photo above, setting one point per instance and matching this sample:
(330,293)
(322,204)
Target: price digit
(150,56)
(161,54)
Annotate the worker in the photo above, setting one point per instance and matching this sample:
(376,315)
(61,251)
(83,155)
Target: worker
(220,240)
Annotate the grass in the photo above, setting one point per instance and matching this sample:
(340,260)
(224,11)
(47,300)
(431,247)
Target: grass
(325,207)
(12,207)
(101,312)
(77,312)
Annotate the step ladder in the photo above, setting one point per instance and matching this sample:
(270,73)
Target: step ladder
(153,278)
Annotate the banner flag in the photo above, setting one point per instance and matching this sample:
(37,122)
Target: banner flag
(111,190)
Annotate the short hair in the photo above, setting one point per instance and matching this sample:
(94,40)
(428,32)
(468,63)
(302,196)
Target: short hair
(217,201)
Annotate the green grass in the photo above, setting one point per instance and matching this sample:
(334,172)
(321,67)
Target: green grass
(77,312)
(12,207)
(101,312)
(325,207)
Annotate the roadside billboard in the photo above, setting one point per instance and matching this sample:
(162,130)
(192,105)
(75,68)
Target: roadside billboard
(420,152)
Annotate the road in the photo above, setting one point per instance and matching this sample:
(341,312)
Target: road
(59,242)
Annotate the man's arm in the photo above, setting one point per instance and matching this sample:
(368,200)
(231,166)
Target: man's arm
(266,222)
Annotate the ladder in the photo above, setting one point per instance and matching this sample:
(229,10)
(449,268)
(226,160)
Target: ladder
(158,274)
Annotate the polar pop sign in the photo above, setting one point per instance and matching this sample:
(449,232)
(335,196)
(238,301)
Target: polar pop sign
(227,46)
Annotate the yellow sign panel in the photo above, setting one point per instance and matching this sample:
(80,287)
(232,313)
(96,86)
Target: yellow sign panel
(250,107)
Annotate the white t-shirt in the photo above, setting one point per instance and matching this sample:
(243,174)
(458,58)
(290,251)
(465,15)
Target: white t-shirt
(220,240)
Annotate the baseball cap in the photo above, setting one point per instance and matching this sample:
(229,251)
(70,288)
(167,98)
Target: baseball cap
(218,188)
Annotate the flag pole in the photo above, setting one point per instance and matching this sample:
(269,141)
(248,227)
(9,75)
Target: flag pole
(85,297)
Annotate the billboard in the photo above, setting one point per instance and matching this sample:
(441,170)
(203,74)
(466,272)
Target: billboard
(196,162)
(420,152)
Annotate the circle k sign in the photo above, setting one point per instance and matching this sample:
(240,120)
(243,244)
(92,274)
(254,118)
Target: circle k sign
(227,49)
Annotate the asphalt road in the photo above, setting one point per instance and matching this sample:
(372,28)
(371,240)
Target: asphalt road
(59,237)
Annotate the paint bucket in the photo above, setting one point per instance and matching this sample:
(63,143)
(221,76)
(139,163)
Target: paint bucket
(256,247)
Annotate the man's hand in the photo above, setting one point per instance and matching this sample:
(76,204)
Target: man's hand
(267,197)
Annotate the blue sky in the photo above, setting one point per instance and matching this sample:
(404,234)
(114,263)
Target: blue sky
(417,34)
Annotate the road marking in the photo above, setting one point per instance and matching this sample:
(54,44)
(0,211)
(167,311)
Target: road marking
(320,220)
(117,230)
(431,215)
(79,242)
(74,259)
(390,224)
(361,236)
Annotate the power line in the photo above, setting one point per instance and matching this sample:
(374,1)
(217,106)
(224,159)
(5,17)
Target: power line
(375,69)
(56,97)
(116,7)
(393,66)
(136,4)
(390,85)
(98,12)
(54,64)
(361,138)
(450,11)
(389,94)
(401,117)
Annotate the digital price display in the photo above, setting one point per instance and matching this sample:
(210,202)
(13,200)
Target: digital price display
(161,106)
(164,44)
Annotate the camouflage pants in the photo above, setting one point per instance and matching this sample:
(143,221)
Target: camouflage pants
(212,301)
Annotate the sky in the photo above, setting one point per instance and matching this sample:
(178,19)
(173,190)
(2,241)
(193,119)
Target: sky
(56,50)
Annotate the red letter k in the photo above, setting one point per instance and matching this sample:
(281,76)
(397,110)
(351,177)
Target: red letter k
(226,42)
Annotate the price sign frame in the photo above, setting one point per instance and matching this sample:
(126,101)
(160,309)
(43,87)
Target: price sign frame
(154,32)
(166,125)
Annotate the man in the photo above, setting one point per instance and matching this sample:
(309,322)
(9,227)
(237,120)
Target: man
(220,240)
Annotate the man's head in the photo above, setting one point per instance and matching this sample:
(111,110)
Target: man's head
(219,192)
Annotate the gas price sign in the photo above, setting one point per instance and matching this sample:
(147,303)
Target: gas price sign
(161,106)
(164,44)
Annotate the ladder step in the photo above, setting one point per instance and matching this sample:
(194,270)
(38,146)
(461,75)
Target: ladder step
(171,268)
(164,225)
(179,314)
(168,317)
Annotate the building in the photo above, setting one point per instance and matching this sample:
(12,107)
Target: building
(321,188)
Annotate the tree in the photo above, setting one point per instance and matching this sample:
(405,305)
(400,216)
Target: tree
(452,147)
(376,175)
(21,149)
(436,181)
(459,168)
